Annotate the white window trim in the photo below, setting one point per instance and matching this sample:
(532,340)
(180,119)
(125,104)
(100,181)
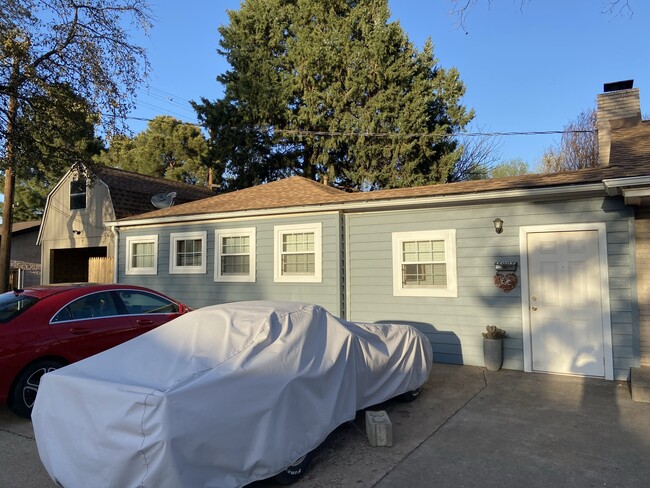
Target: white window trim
(278,232)
(130,270)
(242,232)
(449,236)
(179,236)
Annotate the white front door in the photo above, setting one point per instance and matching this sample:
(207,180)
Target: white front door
(565,302)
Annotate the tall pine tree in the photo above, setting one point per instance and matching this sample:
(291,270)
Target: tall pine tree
(331,90)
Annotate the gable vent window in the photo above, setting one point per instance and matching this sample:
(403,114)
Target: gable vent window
(77,194)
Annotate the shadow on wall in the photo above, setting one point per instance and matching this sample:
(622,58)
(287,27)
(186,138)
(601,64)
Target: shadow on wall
(446,345)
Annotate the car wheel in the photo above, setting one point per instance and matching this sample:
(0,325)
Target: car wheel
(23,393)
(294,472)
(409,396)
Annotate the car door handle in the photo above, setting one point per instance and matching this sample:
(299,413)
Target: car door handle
(80,331)
(144,321)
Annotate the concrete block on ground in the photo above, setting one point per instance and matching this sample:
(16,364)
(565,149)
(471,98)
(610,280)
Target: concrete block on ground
(379,428)
(640,384)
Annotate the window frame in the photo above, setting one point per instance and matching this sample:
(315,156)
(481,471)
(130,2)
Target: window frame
(278,232)
(148,270)
(174,267)
(76,196)
(449,238)
(219,234)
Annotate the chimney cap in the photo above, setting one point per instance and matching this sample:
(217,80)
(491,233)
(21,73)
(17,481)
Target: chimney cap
(618,85)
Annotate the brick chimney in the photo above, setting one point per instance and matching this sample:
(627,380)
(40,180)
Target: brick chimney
(619,106)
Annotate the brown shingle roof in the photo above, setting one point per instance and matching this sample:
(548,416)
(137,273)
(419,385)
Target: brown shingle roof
(131,192)
(289,192)
(20,227)
(630,156)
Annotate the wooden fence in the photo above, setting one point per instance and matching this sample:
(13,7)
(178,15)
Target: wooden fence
(100,270)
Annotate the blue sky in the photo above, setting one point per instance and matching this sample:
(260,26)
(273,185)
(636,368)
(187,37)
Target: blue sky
(526,69)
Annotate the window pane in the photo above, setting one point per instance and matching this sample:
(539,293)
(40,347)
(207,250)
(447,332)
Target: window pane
(298,264)
(231,265)
(78,194)
(302,242)
(142,255)
(137,303)
(188,252)
(235,245)
(424,275)
(423,251)
(298,254)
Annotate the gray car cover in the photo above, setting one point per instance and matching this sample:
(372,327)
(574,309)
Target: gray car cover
(219,397)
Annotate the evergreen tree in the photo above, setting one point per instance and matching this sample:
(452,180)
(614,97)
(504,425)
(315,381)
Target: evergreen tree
(333,91)
(168,148)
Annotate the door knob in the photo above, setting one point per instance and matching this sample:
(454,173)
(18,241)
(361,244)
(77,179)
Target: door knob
(534,308)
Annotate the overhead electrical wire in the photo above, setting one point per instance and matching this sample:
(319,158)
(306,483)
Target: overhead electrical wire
(184,104)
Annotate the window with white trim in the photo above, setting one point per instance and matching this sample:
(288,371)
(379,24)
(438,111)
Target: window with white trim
(187,252)
(298,253)
(142,255)
(234,254)
(424,264)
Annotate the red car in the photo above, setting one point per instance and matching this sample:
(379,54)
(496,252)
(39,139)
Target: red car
(46,327)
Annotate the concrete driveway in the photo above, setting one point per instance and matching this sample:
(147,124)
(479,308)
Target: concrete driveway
(469,428)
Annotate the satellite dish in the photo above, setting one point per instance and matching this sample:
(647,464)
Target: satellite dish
(163,200)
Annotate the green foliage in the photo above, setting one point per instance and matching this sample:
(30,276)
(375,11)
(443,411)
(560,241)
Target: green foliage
(54,132)
(514,167)
(332,91)
(43,44)
(493,332)
(168,148)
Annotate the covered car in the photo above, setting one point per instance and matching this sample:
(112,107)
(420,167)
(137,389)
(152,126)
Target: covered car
(222,396)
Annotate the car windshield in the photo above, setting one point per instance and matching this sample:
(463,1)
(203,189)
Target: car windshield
(13,304)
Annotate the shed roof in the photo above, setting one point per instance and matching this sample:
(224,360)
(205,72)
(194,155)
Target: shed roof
(131,192)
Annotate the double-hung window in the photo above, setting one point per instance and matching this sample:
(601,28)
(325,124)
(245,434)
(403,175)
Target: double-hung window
(298,253)
(142,255)
(188,253)
(424,264)
(234,254)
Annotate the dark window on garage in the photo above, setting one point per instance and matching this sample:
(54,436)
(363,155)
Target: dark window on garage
(77,194)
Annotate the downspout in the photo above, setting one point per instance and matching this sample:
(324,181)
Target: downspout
(116,242)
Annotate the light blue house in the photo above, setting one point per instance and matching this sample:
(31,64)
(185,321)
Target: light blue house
(552,259)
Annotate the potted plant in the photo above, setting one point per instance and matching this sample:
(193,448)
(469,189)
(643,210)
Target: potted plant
(493,347)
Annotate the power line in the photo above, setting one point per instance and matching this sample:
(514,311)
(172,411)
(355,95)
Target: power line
(300,132)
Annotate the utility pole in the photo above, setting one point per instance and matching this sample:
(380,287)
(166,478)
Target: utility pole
(10,181)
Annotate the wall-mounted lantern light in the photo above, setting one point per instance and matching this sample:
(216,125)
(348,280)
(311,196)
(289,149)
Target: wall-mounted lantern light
(498,225)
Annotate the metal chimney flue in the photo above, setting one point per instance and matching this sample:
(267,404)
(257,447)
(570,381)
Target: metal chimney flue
(618,85)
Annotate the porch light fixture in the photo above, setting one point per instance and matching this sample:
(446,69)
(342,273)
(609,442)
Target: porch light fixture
(498,225)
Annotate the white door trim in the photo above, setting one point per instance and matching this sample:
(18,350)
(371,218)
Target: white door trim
(604,288)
